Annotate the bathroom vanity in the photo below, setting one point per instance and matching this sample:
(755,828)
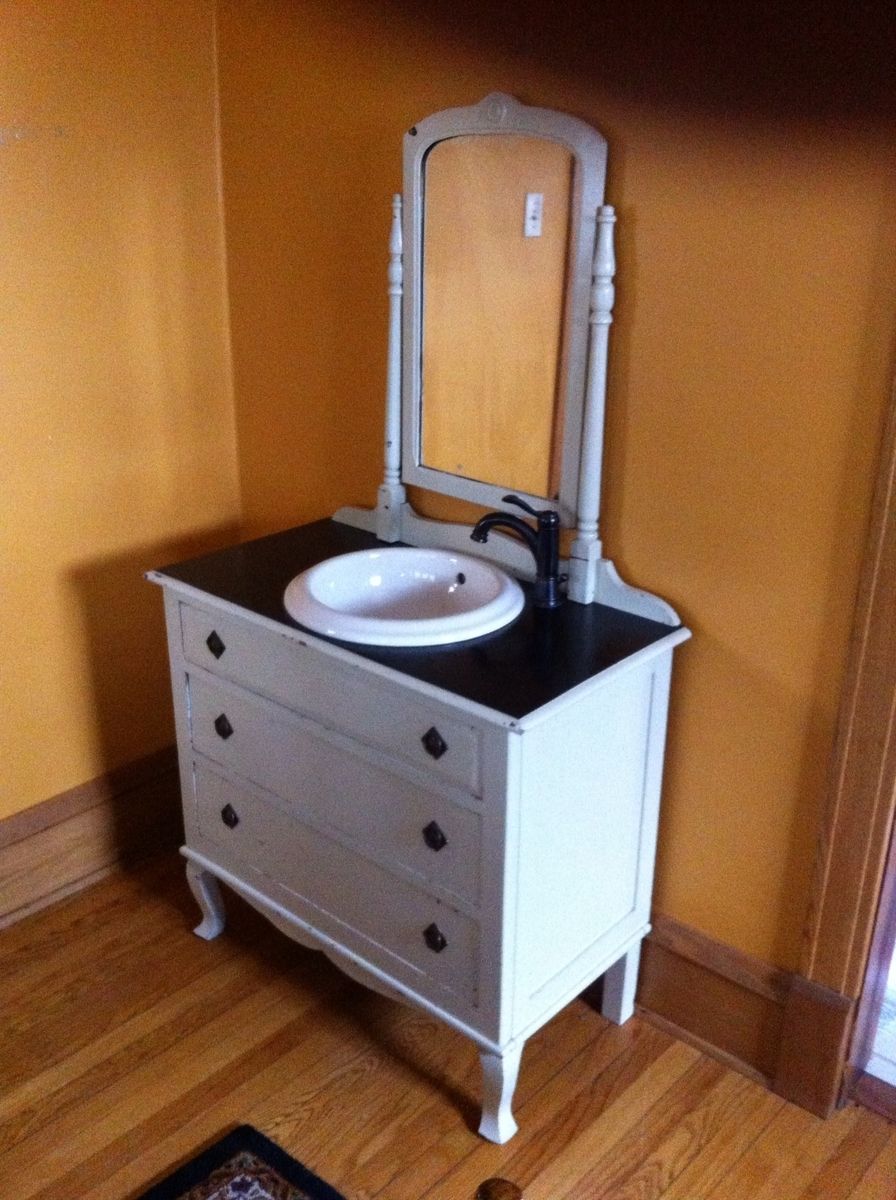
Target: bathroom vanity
(469,826)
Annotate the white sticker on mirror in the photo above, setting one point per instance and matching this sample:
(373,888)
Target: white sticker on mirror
(532,220)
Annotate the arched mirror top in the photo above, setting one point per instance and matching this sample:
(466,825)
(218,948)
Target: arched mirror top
(500,213)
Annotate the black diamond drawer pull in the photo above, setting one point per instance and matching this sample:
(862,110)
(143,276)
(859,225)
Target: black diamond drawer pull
(214,643)
(434,743)
(434,938)
(434,837)
(223,728)
(229,816)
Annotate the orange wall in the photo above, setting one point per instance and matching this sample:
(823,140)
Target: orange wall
(118,449)
(753,350)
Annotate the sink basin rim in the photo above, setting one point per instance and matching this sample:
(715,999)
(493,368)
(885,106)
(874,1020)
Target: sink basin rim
(494,598)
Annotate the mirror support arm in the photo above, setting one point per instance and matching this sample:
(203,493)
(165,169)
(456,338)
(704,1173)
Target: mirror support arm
(391,495)
(586,552)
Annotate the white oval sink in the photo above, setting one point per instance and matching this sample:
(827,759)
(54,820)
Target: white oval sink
(403,596)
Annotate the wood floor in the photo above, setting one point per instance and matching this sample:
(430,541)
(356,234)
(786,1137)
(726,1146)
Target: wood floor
(127,1044)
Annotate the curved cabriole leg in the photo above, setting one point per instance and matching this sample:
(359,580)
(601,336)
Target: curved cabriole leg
(205,888)
(499,1072)
(619,987)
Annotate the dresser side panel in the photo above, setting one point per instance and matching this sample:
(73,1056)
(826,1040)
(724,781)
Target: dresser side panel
(587,834)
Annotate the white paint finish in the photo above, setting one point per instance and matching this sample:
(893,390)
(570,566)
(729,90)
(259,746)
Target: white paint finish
(653,781)
(580,835)
(325,781)
(553,825)
(620,982)
(500,792)
(181,702)
(612,591)
(391,494)
(343,891)
(600,319)
(337,695)
(502,114)
(387,514)
(353,963)
(207,894)
(499,1076)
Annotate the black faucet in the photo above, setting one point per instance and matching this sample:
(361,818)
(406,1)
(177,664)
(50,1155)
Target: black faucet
(544,542)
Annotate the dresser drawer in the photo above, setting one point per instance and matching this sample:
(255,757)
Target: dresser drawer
(392,915)
(386,816)
(342,697)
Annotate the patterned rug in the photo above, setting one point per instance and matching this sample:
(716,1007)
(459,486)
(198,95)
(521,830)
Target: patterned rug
(244,1165)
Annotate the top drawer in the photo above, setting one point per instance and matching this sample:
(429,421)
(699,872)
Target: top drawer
(364,706)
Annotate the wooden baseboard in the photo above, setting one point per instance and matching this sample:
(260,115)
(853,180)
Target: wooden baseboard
(875,1094)
(771,1024)
(67,842)
(814,1040)
(714,996)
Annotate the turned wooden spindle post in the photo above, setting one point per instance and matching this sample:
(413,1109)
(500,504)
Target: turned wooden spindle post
(391,495)
(586,550)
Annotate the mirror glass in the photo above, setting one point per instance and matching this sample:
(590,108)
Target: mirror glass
(498,229)
(495,250)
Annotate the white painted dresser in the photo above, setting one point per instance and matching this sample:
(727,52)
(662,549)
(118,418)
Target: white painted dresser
(469,828)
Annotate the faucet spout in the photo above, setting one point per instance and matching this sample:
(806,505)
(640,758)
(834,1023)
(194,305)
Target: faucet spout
(543,541)
(496,519)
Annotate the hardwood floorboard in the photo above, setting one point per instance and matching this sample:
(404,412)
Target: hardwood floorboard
(843,1171)
(880,1178)
(104,1126)
(128,1044)
(101,915)
(788,1155)
(625,1121)
(318,1048)
(731,1130)
(557,1113)
(116,1053)
(653,1164)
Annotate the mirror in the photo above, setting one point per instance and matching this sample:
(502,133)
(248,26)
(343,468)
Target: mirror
(499,226)
(495,239)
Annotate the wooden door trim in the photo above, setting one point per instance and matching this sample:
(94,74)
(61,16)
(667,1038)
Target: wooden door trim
(857,823)
(879,958)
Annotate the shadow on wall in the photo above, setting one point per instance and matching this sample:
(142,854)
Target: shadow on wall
(757,58)
(123,628)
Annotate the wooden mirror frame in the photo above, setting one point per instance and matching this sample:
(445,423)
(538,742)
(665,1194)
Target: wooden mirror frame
(500,114)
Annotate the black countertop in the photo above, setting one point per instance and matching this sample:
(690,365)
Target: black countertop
(534,660)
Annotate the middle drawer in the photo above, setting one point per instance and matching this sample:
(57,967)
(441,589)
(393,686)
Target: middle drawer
(385,816)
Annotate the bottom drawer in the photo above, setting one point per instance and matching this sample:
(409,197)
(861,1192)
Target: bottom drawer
(394,918)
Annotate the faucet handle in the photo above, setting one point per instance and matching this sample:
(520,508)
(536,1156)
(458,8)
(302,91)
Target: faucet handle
(520,504)
(546,515)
